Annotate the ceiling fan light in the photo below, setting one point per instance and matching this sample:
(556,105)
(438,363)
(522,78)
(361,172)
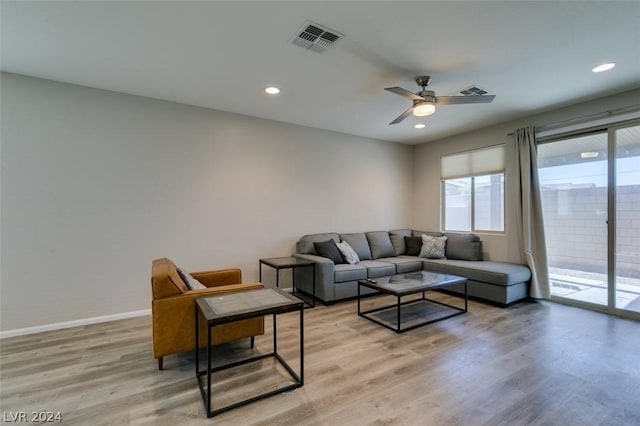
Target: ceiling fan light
(424,108)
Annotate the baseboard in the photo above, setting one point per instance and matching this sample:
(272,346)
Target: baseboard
(74,323)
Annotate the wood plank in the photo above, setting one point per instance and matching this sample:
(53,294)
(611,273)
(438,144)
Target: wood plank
(533,363)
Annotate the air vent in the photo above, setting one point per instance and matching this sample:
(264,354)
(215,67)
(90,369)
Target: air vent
(315,37)
(473,91)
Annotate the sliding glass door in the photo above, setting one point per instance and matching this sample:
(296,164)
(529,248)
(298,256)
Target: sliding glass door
(627,213)
(585,181)
(574,188)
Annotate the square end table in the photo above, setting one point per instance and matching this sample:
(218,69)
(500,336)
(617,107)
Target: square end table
(291,262)
(229,307)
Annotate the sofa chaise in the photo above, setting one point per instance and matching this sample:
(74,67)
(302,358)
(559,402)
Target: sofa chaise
(383,253)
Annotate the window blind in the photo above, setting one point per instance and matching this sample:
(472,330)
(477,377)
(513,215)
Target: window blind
(484,161)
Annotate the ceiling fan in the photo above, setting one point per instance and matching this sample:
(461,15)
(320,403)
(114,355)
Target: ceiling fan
(424,102)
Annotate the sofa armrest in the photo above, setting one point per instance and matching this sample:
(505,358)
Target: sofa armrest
(325,275)
(219,277)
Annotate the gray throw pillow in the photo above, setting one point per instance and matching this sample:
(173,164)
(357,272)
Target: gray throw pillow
(190,282)
(413,244)
(329,249)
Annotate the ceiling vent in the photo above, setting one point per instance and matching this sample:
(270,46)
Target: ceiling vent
(315,37)
(473,91)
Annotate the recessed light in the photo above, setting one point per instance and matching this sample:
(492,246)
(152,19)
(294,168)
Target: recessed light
(419,126)
(272,90)
(589,154)
(604,67)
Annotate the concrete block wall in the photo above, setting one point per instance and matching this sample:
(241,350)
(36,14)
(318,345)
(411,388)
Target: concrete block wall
(576,229)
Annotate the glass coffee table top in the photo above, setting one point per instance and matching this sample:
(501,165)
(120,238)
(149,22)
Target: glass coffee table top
(418,312)
(412,282)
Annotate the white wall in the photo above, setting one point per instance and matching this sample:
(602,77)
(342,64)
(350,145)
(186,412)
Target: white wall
(96,184)
(506,246)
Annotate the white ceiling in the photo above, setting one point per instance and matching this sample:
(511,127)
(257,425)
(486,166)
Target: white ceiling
(534,56)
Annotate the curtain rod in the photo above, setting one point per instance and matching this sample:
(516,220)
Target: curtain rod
(630,108)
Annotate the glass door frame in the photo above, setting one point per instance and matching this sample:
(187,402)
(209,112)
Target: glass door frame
(610,307)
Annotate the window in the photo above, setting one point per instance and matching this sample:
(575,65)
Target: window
(473,190)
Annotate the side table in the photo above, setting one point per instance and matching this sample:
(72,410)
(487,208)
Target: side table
(230,307)
(292,263)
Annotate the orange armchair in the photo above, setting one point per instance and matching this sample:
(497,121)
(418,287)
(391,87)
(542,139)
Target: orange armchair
(173,304)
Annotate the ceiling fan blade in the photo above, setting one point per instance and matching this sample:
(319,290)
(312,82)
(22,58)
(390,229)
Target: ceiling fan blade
(456,100)
(405,93)
(402,116)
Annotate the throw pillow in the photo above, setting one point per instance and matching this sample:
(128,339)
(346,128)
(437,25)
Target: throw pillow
(348,253)
(413,244)
(433,247)
(328,249)
(192,283)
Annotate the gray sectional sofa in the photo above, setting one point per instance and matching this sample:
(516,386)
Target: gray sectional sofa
(383,253)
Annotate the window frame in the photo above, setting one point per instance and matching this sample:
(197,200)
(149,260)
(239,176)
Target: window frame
(443,204)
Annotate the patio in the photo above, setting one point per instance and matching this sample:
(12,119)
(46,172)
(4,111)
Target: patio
(591,287)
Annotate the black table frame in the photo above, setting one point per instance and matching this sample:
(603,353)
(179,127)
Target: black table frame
(292,263)
(398,305)
(205,385)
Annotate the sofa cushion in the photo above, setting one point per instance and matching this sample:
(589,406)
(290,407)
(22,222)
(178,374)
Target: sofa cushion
(380,244)
(359,243)
(404,264)
(463,246)
(413,244)
(399,247)
(403,232)
(305,244)
(347,272)
(433,247)
(348,253)
(498,273)
(432,233)
(378,269)
(328,249)
(397,239)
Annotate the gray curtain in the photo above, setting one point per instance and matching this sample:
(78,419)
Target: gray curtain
(529,215)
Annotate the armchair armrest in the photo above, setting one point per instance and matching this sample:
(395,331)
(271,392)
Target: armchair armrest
(219,277)
(224,289)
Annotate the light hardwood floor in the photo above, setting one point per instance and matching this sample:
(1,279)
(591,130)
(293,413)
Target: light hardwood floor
(532,363)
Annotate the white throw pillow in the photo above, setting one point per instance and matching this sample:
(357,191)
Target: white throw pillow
(192,283)
(433,247)
(349,254)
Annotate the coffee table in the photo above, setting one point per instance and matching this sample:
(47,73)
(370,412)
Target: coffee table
(230,307)
(419,312)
